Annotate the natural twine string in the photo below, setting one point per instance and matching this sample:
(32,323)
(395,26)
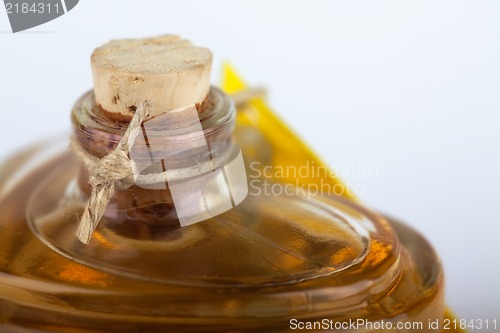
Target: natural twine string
(106,175)
(115,172)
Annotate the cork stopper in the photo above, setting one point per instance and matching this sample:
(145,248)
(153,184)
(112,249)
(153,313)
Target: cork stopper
(166,71)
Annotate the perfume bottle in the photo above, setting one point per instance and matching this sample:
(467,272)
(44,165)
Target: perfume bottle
(181,245)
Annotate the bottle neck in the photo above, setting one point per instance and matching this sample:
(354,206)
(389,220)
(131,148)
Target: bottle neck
(99,134)
(184,143)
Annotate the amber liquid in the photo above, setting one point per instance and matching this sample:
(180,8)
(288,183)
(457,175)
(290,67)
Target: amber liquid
(252,269)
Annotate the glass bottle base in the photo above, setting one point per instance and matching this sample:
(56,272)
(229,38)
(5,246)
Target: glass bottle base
(251,269)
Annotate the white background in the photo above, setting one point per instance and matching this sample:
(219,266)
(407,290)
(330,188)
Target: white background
(410,88)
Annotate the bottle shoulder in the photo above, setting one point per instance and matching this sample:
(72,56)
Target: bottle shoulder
(268,252)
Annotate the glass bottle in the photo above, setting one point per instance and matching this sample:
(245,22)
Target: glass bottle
(273,263)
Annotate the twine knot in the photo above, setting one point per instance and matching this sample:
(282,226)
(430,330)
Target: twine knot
(107,175)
